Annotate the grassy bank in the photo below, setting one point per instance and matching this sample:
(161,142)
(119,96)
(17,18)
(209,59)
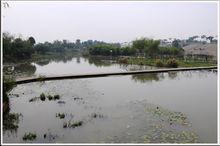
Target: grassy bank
(180,62)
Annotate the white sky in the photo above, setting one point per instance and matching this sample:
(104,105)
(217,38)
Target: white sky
(109,21)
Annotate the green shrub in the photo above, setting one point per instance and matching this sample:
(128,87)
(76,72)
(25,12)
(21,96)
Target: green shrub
(141,63)
(8,85)
(123,60)
(172,63)
(159,63)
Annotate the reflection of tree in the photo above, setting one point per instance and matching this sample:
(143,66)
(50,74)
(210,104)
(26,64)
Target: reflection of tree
(99,62)
(172,75)
(62,57)
(56,57)
(24,69)
(78,59)
(43,62)
(143,78)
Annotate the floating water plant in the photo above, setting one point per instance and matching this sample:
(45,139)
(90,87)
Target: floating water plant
(29,136)
(42,97)
(61,102)
(76,124)
(168,115)
(95,115)
(33,99)
(56,97)
(77,98)
(60,115)
(72,124)
(50,97)
(41,78)
(158,133)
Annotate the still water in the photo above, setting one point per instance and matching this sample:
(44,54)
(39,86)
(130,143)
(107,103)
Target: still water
(176,107)
(73,65)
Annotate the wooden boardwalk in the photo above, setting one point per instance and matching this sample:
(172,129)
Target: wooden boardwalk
(93,75)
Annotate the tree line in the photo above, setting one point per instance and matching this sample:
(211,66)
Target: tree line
(142,47)
(18,48)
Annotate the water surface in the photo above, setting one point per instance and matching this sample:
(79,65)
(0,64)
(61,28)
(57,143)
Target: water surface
(127,106)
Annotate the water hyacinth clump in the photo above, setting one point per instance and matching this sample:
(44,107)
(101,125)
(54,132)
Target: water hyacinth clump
(163,135)
(29,136)
(95,115)
(60,115)
(49,97)
(56,97)
(169,116)
(42,97)
(72,124)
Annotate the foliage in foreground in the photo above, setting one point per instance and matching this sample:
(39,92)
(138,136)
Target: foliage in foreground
(8,84)
(29,136)
(10,121)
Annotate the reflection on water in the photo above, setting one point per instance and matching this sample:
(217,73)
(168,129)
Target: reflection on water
(98,62)
(143,78)
(146,108)
(43,62)
(23,69)
(63,65)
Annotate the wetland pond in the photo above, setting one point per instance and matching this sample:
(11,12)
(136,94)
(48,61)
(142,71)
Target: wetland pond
(174,107)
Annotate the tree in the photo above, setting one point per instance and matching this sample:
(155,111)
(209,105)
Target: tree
(176,44)
(139,44)
(152,47)
(149,46)
(210,38)
(203,36)
(32,40)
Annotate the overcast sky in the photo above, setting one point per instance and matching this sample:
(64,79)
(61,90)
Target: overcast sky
(109,21)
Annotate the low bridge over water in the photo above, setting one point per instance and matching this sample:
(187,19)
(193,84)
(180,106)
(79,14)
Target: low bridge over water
(93,75)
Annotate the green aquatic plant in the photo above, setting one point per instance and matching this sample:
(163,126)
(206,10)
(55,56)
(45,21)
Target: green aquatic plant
(42,97)
(76,124)
(172,63)
(41,78)
(170,116)
(60,115)
(158,133)
(95,115)
(56,97)
(123,60)
(50,97)
(159,63)
(33,99)
(72,124)
(29,136)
